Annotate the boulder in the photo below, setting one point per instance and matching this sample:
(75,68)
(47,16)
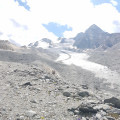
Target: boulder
(84,86)
(87,110)
(31,113)
(83,94)
(83,110)
(114,101)
(27,84)
(67,94)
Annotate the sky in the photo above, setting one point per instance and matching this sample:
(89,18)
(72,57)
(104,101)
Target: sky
(26,21)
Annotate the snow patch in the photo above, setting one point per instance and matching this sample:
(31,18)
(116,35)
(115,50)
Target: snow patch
(100,71)
(43,45)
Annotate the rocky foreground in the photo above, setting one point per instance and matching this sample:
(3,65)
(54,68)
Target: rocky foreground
(32,91)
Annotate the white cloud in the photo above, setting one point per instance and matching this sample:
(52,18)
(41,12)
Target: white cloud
(23,1)
(78,14)
(102,15)
(23,19)
(114,3)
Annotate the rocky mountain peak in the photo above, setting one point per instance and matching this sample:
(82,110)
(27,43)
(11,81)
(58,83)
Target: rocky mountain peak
(94,37)
(94,29)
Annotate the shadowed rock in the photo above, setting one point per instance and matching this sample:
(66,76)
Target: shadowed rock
(67,94)
(88,110)
(114,101)
(83,110)
(27,84)
(83,94)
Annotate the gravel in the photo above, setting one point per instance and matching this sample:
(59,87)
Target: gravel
(29,90)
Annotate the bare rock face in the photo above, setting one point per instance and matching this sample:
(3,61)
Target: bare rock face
(95,37)
(6,45)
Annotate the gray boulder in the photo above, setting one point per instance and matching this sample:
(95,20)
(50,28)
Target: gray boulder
(83,94)
(114,101)
(67,94)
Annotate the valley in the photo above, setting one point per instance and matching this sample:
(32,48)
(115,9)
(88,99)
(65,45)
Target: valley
(59,81)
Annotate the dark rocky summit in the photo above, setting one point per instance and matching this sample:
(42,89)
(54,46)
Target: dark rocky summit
(95,37)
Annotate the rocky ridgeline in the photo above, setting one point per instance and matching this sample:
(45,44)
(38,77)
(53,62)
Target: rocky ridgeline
(27,92)
(94,37)
(6,45)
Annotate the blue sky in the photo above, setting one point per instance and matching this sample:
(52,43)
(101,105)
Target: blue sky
(24,4)
(98,2)
(57,29)
(95,2)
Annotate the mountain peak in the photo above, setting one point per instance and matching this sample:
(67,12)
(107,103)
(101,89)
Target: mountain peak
(94,29)
(93,26)
(92,38)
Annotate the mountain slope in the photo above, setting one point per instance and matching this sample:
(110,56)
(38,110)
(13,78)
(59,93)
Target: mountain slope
(6,45)
(95,37)
(43,43)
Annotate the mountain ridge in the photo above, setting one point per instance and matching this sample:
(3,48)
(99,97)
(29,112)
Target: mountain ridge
(95,37)
(7,45)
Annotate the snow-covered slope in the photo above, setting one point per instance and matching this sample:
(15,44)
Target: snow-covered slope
(43,43)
